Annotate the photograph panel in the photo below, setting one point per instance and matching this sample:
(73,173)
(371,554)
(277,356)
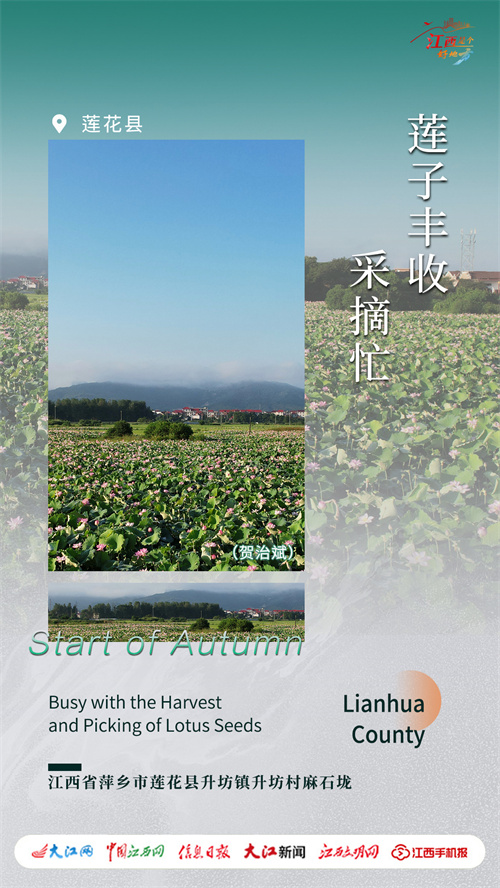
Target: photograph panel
(176,402)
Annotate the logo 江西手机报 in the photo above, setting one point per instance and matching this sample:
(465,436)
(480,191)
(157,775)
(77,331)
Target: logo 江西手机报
(449,40)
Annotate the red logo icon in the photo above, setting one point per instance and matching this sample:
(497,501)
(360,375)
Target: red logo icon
(40,853)
(400,852)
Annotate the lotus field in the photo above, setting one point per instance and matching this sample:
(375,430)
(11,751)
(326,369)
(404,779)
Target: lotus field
(176,505)
(401,474)
(123,630)
(23,433)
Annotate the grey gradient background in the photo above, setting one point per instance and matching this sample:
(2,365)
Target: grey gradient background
(444,787)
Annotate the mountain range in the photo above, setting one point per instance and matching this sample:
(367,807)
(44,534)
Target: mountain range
(13,264)
(273,596)
(237,395)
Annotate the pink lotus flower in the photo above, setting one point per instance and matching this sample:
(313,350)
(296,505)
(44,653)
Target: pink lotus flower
(319,572)
(140,553)
(15,522)
(460,488)
(312,467)
(365,519)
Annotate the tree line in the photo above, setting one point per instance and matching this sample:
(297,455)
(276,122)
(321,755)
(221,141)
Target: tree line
(331,282)
(268,418)
(139,610)
(76,409)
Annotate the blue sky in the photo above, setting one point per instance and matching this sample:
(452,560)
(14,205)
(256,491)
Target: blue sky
(176,261)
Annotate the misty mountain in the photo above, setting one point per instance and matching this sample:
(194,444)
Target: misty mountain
(274,597)
(13,264)
(238,395)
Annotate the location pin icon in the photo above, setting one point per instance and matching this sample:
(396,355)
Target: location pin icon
(59,122)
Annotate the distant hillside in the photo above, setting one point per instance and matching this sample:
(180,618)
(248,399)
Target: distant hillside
(237,395)
(32,264)
(272,597)
(279,599)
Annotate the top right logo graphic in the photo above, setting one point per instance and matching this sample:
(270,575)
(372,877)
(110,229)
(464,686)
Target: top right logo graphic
(447,40)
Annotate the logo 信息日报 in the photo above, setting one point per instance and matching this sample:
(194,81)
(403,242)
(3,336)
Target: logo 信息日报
(447,41)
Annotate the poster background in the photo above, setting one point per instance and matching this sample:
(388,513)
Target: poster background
(344,77)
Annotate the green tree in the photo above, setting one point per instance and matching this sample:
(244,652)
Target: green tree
(468,284)
(468,302)
(323,276)
(228,625)
(244,626)
(159,430)
(181,432)
(13,300)
(339,298)
(402,295)
(200,624)
(120,429)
